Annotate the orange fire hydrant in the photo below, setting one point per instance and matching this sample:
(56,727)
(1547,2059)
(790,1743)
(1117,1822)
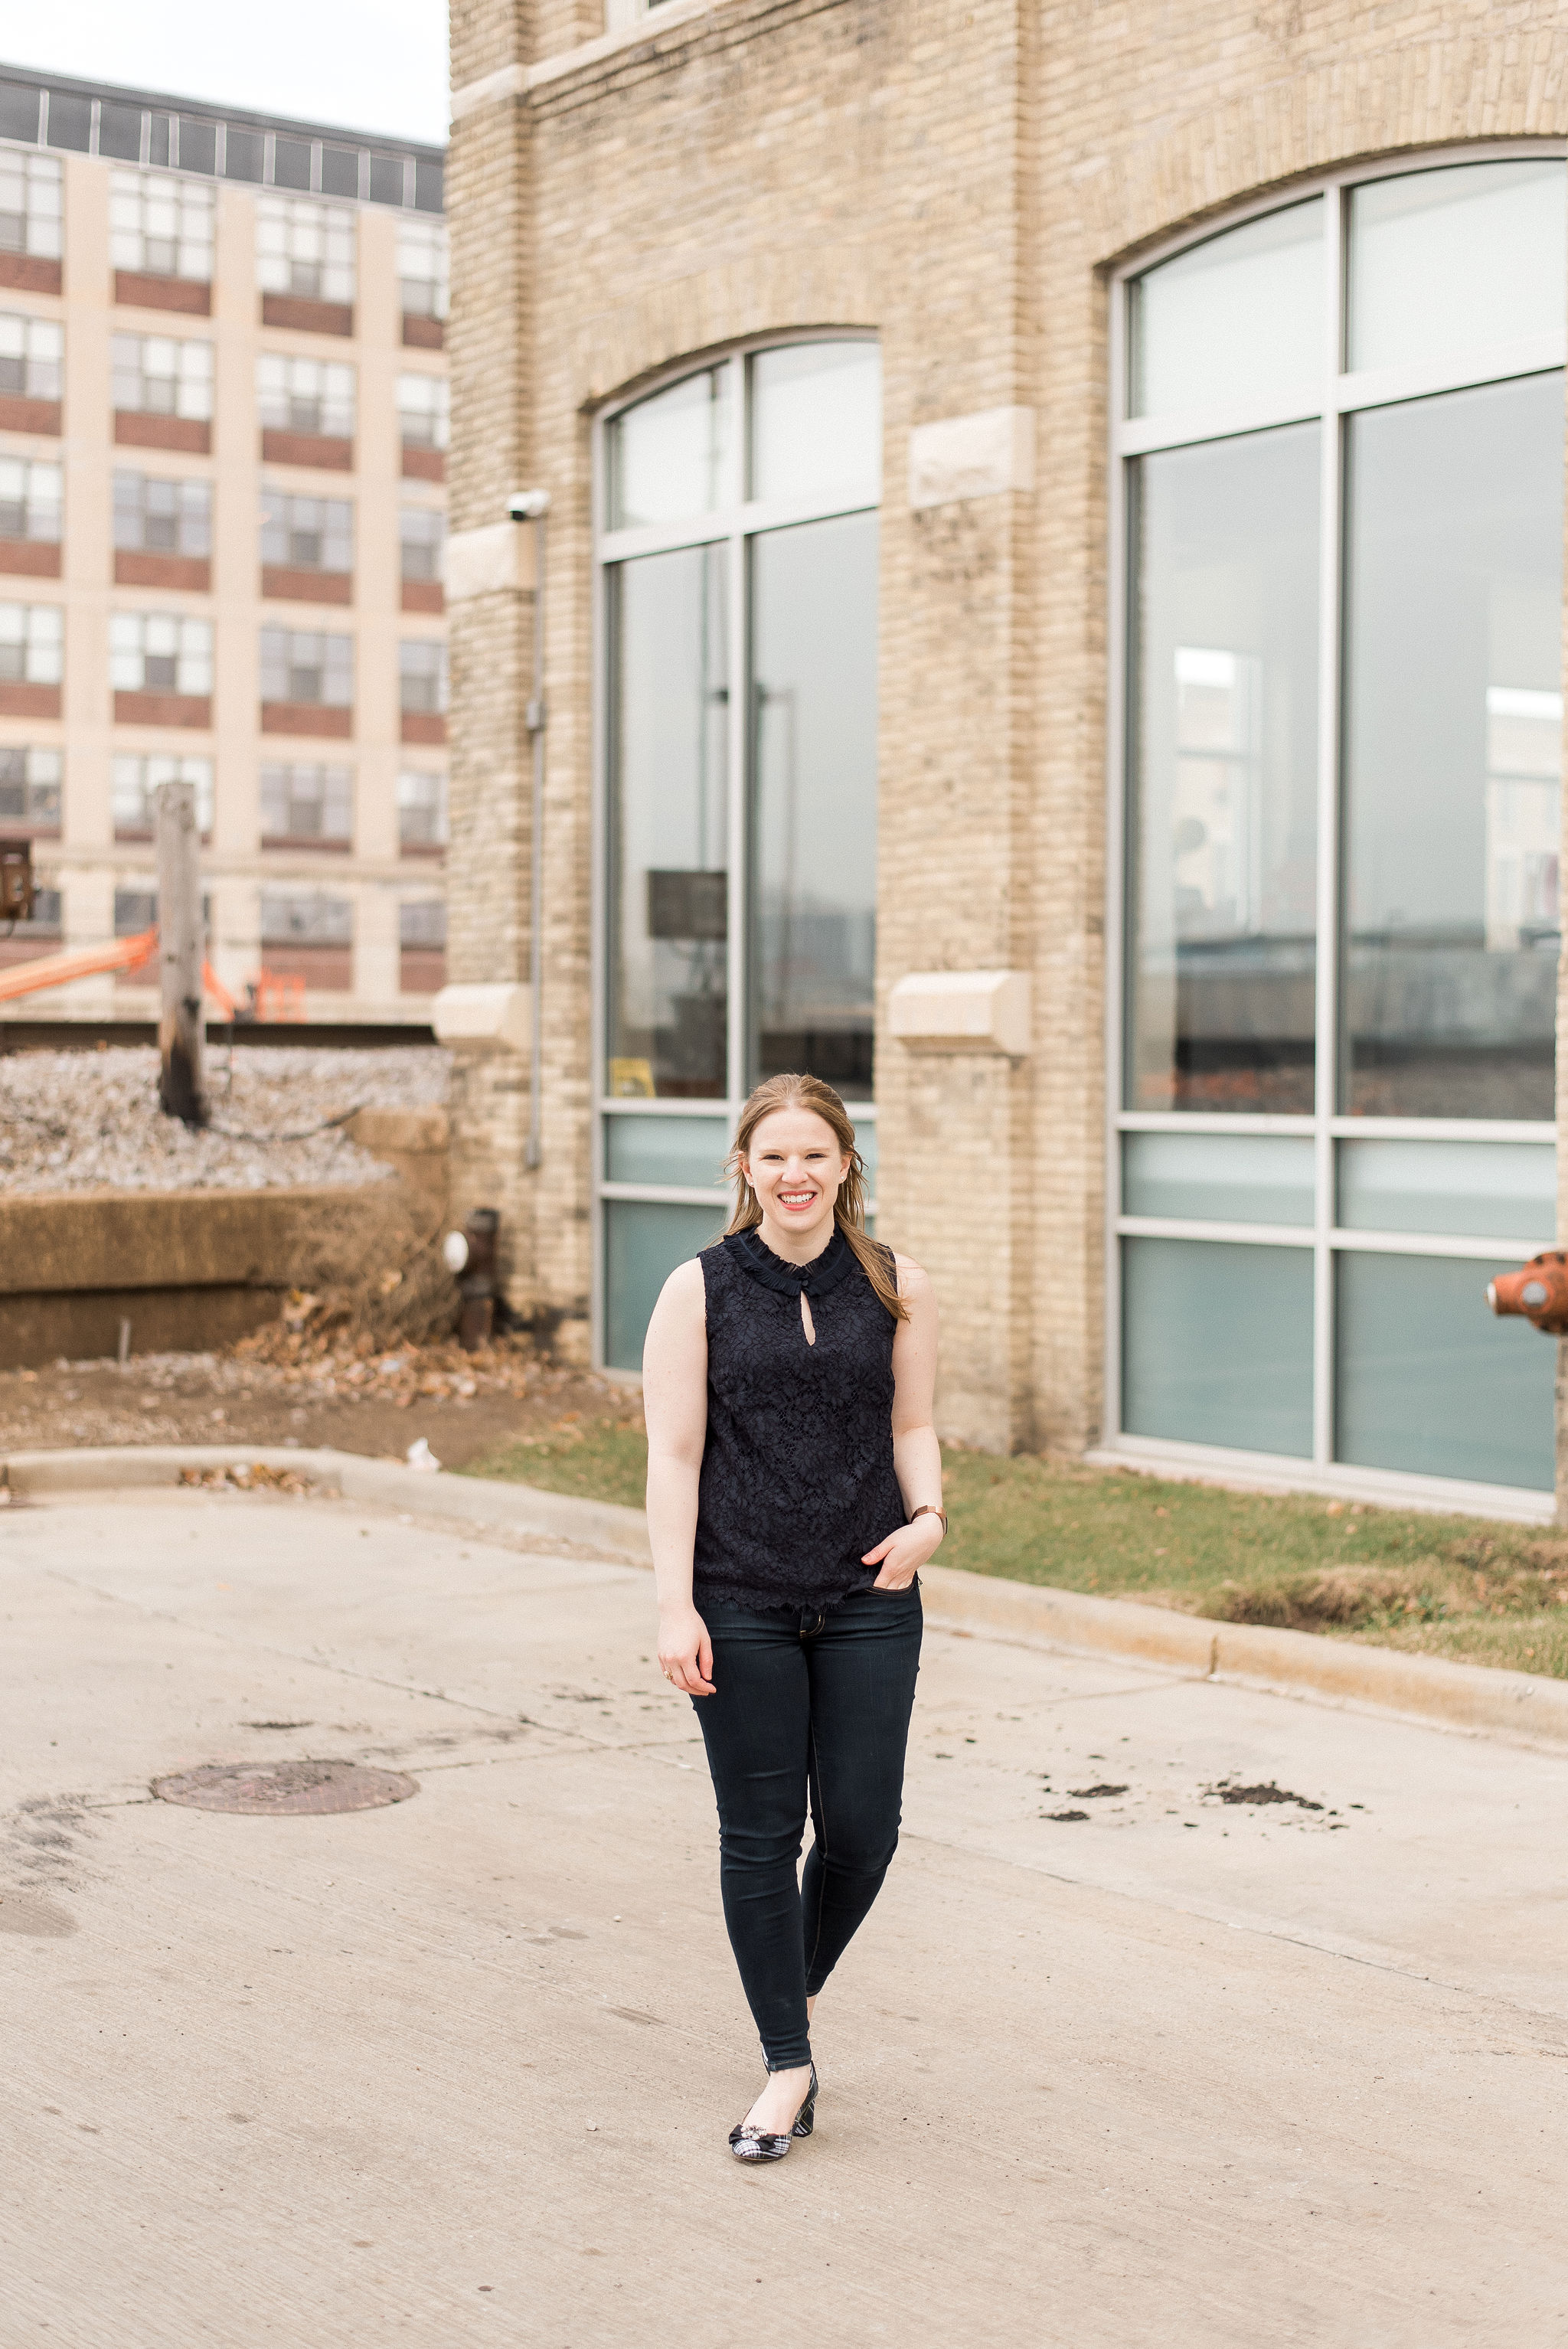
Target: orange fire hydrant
(1539,1291)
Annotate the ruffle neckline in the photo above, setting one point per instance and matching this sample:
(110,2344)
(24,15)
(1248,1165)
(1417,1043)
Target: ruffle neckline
(814,1279)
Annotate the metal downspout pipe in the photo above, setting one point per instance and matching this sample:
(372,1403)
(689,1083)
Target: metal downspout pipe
(533,505)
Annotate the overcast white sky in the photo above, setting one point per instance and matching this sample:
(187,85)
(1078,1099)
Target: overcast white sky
(369,65)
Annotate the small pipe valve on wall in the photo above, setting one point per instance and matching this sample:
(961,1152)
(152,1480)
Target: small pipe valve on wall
(469,1257)
(1539,1291)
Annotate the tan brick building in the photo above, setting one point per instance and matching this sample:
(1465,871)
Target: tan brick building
(222,520)
(1053,614)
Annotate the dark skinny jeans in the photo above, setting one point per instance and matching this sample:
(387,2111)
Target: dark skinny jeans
(814,1703)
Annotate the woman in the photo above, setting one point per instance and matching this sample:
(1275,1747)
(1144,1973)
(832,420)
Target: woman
(794,1493)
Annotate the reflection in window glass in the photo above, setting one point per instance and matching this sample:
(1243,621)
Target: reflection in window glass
(1223,830)
(814,622)
(668,454)
(1443,263)
(645,1240)
(1483,1190)
(1236,322)
(669,826)
(1430,1382)
(1259,1178)
(1453,652)
(1217,1344)
(816,422)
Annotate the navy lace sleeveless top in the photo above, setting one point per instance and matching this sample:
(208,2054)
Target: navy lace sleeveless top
(797,1479)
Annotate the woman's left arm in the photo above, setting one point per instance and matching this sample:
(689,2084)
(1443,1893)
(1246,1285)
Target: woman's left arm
(916,1455)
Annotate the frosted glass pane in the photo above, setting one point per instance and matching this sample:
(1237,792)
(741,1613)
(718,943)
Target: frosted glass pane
(1471,1190)
(816,422)
(1445,263)
(667,454)
(643,1242)
(1217,1344)
(866,1143)
(683,1150)
(1261,1178)
(1237,322)
(1430,1381)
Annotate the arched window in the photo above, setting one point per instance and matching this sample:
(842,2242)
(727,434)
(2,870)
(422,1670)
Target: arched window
(737,554)
(1340,478)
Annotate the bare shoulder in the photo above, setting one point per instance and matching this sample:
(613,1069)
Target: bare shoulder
(913,1285)
(685,1291)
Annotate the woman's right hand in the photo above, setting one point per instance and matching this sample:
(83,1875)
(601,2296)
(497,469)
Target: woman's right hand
(685,1652)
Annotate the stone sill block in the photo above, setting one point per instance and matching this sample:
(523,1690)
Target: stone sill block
(1465,1697)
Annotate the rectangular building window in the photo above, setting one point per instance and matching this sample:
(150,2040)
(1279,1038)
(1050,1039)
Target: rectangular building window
(421,811)
(306,533)
(422,410)
(30,204)
(309,802)
(422,921)
(160,225)
(422,676)
(422,539)
(32,357)
(423,268)
(162,375)
(30,787)
(304,248)
(306,664)
(135,910)
(29,500)
(32,644)
(136,779)
(299,394)
(159,652)
(153,515)
(306,918)
(46,921)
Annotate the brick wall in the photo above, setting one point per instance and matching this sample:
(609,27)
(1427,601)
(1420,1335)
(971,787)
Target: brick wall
(960,179)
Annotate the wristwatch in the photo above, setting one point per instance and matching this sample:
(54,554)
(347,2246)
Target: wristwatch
(929,1509)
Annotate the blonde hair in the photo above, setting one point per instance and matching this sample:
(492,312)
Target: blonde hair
(848,1207)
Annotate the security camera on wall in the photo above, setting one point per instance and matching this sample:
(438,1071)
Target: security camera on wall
(528,505)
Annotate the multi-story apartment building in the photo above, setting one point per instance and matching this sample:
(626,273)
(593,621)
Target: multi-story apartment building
(222,435)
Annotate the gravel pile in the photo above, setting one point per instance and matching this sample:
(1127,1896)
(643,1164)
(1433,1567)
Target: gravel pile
(81,1121)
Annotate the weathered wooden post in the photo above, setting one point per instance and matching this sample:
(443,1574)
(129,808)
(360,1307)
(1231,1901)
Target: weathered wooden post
(182,949)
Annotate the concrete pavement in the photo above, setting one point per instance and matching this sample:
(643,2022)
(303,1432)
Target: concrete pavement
(1182,2070)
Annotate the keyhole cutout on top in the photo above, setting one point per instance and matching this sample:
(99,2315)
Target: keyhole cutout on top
(806,1323)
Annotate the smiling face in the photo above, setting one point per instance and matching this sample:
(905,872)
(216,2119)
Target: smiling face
(795,1166)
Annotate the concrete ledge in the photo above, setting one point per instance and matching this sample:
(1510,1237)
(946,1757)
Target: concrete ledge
(197,1268)
(518,1508)
(1468,1697)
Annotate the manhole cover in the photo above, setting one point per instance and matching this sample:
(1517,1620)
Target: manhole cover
(273,1789)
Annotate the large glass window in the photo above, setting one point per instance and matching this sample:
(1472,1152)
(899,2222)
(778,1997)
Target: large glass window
(740,586)
(1341,449)
(1224,774)
(1453,751)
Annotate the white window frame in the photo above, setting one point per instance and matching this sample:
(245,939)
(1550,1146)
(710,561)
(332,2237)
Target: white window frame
(1342,393)
(195,206)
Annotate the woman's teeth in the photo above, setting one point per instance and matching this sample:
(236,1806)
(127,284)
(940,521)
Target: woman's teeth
(796,1198)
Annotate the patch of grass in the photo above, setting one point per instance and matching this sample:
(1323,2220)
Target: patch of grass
(1478,1590)
(602,1460)
(1474,1589)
